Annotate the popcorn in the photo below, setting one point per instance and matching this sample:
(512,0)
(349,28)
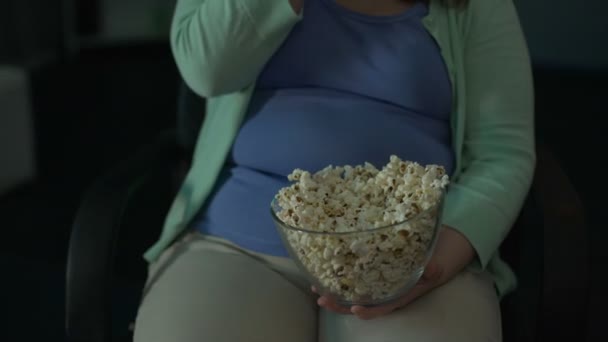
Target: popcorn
(343,210)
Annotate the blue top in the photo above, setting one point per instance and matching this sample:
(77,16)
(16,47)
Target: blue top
(345,88)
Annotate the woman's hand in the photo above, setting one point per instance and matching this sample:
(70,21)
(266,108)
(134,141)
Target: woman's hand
(452,254)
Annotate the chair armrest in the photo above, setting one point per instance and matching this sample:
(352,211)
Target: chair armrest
(94,234)
(566,251)
(548,248)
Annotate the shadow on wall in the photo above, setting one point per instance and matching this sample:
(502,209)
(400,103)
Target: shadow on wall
(566,34)
(30,30)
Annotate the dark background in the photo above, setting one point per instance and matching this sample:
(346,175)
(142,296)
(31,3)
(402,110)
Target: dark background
(102,83)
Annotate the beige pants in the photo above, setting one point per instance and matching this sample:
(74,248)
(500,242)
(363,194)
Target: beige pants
(205,289)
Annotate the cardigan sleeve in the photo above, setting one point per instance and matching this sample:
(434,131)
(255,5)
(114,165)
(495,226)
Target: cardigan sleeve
(220,46)
(498,155)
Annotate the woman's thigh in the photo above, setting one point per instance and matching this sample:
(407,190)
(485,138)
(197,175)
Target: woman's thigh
(208,295)
(464,309)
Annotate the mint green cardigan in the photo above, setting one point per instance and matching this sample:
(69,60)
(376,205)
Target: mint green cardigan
(220,46)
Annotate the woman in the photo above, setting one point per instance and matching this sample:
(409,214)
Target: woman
(307,83)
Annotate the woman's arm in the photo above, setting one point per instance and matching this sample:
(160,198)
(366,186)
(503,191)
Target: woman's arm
(499,145)
(220,46)
(483,203)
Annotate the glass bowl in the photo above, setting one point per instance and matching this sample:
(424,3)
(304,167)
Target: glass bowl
(368,267)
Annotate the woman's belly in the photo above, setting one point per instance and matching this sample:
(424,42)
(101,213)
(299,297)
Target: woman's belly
(310,129)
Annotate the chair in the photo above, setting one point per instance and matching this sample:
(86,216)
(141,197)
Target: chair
(125,207)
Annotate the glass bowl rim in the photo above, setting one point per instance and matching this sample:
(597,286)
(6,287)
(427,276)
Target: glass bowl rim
(437,205)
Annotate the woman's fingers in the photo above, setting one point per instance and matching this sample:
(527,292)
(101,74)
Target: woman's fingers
(367,313)
(331,305)
(432,274)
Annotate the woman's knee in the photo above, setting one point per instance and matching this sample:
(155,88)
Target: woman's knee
(466,309)
(214,296)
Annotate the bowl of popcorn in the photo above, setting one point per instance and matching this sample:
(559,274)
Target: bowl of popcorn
(361,235)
